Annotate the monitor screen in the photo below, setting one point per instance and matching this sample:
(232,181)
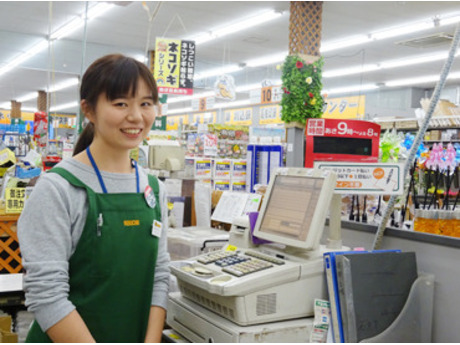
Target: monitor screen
(295,209)
(166,157)
(342,145)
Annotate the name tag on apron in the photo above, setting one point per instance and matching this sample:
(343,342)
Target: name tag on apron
(156,228)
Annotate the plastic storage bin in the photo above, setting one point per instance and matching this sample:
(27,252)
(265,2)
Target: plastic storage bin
(185,243)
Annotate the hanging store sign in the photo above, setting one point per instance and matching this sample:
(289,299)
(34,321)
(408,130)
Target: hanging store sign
(345,107)
(174,66)
(270,115)
(370,178)
(270,94)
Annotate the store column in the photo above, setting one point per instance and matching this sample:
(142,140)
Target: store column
(15,110)
(305,23)
(42,100)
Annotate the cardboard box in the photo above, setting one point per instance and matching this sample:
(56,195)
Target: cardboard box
(6,336)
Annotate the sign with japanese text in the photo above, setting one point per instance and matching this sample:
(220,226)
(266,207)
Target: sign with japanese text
(204,118)
(238,116)
(210,144)
(345,107)
(368,178)
(174,66)
(270,114)
(341,140)
(173,122)
(14,200)
(202,104)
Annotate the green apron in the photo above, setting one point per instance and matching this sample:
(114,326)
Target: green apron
(112,270)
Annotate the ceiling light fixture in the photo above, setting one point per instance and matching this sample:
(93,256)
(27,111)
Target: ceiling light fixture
(37,48)
(65,30)
(349,89)
(64,85)
(244,24)
(78,22)
(420,80)
(344,43)
(64,106)
(217,71)
(394,31)
(27,97)
(179,111)
(350,70)
(267,60)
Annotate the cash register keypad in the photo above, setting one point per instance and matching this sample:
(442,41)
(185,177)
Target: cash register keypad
(246,267)
(215,256)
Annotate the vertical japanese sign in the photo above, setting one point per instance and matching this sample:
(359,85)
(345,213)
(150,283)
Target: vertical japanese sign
(174,66)
(14,200)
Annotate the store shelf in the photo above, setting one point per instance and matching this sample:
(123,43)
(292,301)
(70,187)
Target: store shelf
(11,282)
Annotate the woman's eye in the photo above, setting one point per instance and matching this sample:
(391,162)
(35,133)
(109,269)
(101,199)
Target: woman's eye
(121,104)
(147,104)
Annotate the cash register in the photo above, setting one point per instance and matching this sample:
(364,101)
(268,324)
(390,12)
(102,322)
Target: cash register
(278,280)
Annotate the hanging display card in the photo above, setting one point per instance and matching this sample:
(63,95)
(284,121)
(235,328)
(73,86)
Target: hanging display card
(174,66)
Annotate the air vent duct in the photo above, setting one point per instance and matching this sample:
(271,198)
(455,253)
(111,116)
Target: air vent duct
(427,41)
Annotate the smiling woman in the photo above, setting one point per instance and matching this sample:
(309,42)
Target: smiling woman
(93,263)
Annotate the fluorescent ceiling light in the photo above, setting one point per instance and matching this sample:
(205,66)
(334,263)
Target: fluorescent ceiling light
(237,26)
(178,111)
(394,31)
(28,97)
(218,71)
(37,48)
(348,89)
(421,79)
(63,85)
(267,60)
(64,106)
(402,29)
(415,60)
(343,43)
(189,98)
(447,20)
(31,109)
(350,70)
(232,104)
(78,22)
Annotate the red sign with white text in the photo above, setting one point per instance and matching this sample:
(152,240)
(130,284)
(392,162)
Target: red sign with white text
(341,140)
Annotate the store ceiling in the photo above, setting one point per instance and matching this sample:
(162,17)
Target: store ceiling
(124,29)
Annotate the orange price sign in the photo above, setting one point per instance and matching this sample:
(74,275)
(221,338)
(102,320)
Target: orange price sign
(266,96)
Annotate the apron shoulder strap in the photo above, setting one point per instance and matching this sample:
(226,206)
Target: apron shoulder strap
(153,182)
(69,177)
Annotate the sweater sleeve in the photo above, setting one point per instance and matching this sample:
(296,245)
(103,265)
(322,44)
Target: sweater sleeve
(162,272)
(44,231)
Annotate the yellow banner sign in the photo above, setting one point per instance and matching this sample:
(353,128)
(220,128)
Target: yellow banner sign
(345,107)
(173,122)
(270,115)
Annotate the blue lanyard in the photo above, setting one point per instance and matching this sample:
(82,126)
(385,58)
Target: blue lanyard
(99,176)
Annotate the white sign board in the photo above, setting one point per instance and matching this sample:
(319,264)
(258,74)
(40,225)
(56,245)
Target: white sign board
(366,178)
